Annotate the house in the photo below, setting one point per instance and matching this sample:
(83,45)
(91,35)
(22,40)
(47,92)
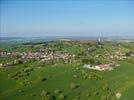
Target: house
(103,67)
(87,66)
(100,67)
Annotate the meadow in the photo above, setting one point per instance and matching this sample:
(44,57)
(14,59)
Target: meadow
(38,80)
(60,77)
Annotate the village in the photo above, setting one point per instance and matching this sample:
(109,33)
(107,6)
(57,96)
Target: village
(104,59)
(21,57)
(42,56)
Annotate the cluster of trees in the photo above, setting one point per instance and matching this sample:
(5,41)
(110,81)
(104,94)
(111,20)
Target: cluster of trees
(21,73)
(25,82)
(49,96)
(91,75)
(91,61)
(94,61)
(74,86)
(130,53)
(34,43)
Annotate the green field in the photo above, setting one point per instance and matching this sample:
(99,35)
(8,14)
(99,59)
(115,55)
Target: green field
(38,80)
(60,76)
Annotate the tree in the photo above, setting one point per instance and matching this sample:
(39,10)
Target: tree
(74,86)
(92,61)
(85,61)
(61,96)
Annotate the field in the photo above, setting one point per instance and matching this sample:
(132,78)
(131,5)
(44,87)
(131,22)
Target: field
(61,76)
(35,80)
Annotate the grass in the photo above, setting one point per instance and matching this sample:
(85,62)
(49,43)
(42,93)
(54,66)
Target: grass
(61,76)
(72,50)
(87,84)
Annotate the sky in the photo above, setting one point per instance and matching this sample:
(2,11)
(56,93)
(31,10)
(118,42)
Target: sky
(28,18)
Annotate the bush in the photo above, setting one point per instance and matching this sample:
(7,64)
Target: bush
(75,76)
(61,97)
(44,93)
(57,91)
(96,93)
(85,61)
(20,91)
(74,86)
(77,92)
(89,95)
(33,94)
(26,82)
(78,97)
(49,97)
(44,79)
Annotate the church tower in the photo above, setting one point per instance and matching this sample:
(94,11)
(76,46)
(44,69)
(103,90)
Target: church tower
(99,40)
(99,44)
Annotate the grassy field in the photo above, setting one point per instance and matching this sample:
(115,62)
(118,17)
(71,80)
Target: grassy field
(58,81)
(69,80)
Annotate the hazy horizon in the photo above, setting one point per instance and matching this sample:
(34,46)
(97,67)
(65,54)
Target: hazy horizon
(20,18)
